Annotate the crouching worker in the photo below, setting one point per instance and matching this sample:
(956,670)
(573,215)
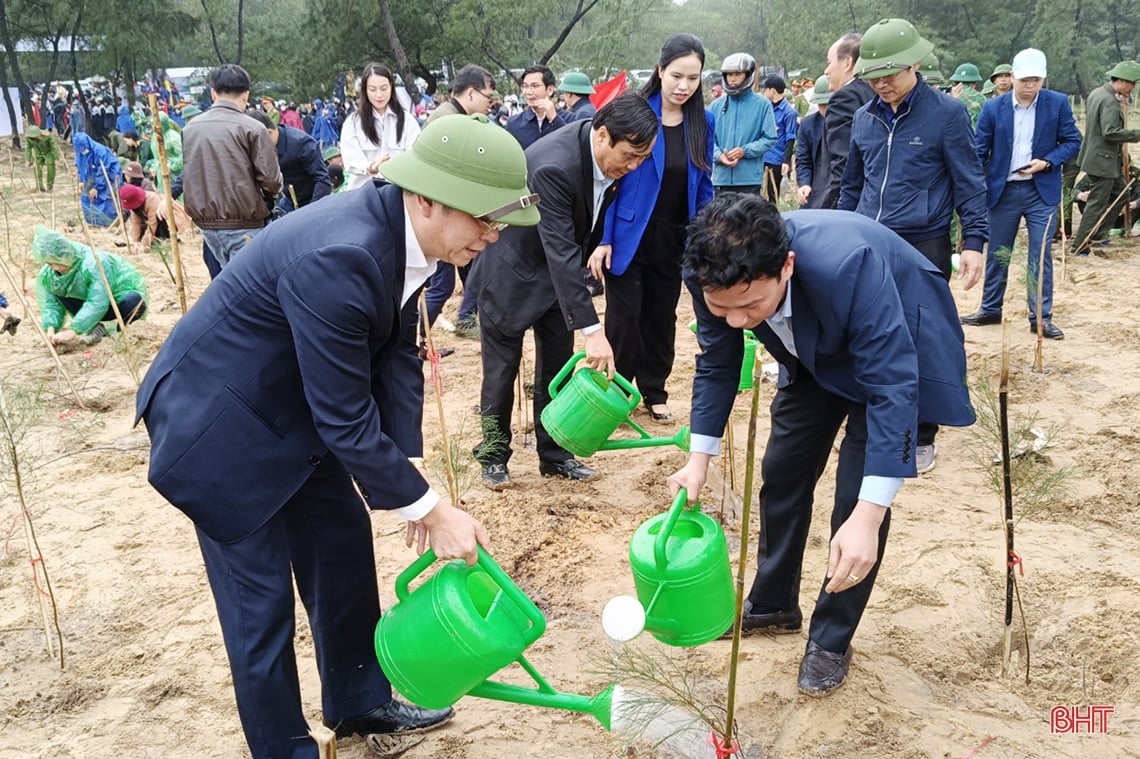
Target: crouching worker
(295,386)
(147,220)
(69,284)
(836,299)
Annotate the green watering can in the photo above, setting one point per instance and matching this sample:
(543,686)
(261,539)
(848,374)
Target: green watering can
(682,574)
(751,344)
(586,408)
(443,640)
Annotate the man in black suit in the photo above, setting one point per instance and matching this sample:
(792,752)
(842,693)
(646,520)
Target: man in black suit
(535,279)
(848,95)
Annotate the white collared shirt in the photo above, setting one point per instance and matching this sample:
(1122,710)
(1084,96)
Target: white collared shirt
(1024,122)
(601,184)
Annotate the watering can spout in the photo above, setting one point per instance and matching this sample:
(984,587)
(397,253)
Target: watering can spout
(599,706)
(681,440)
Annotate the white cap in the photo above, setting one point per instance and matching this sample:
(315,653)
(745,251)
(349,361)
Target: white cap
(1028,63)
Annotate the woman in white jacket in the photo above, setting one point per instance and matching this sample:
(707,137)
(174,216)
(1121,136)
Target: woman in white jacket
(379,129)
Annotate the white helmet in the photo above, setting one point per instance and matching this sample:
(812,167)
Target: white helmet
(735,64)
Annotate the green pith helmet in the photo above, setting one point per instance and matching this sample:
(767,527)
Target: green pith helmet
(469,164)
(330,153)
(577,83)
(932,70)
(988,88)
(1001,68)
(33,132)
(1129,71)
(890,46)
(190,112)
(821,92)
(966,72)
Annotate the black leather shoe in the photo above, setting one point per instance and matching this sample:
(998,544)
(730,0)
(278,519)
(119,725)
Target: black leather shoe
(821,671)
(980,319)
(496,476)
(10,324)
(393,717)
(778,622)
(570,469)
(1049,331)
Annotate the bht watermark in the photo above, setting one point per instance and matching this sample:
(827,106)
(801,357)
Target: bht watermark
(1071,719)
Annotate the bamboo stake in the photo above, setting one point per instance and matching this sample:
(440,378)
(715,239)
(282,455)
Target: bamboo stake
(171,223)
(749,473)
(1064,243)
(35,322)
(1007,495)
(437,381)
(128,352)
(1126,164)
(1038,358)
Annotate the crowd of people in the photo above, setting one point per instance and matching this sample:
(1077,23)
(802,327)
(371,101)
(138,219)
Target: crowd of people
(297,377)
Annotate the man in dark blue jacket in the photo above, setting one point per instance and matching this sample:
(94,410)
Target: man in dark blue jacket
(842,316)
(303,168)
(912,164)
(290,397)
(1024,137)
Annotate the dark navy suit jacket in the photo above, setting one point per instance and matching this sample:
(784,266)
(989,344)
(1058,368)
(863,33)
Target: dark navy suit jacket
(637,193)
(1056,139)
(296,351)
(874,322)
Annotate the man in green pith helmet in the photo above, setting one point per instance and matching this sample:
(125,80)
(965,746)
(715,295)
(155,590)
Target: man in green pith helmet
(965,90)
(1102,152)
(294,382)
(932,71)
(1001,80)
(577,89)
(41,152)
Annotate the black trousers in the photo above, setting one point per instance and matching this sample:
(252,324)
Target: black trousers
(805,420)
(322,538)
(641,310)
(938,250)
(502,349)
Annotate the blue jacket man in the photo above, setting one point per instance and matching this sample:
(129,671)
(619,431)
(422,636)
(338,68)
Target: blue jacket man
(629,213)
(1024,137)
(787,119)
(866,331)
(302,167)
(745,128)
(290,393)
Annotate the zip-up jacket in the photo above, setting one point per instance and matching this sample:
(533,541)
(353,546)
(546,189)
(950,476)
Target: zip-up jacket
(742,121)
(786,121)
(912,176)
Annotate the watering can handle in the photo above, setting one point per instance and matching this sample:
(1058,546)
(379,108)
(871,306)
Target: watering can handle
(501,578)
(563,373)
(679,502)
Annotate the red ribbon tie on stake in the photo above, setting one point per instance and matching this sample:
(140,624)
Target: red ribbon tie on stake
(1015,561)
(724,748)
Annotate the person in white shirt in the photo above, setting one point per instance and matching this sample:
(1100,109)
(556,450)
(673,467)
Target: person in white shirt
(379,129)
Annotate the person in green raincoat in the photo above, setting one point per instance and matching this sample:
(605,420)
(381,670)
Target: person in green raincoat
(41,151)
(172,137)
(70,285)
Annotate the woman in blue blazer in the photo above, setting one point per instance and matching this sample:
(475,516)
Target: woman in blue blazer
(644,235)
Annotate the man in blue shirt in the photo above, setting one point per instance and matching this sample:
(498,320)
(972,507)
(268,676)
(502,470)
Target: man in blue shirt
(778,159)
(541,115)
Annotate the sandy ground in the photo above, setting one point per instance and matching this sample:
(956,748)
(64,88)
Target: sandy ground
(145,673)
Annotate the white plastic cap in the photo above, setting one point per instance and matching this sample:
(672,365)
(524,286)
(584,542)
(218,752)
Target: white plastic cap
(1028,63)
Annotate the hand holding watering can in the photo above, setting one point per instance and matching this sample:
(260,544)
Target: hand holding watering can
(451,532)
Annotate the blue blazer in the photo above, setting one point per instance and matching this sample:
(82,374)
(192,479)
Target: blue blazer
(300,349)
(637,193)
(873,321)
(1056,139)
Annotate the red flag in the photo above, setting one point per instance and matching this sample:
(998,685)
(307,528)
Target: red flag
(608,90)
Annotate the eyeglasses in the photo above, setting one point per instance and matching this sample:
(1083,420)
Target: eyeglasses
(491,226)
(538,86)
(488,95)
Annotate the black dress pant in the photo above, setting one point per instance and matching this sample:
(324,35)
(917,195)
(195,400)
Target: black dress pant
(502,349)
(805,420)
(641,310)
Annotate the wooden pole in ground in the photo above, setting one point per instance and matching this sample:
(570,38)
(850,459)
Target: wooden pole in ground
(1064,241)
(742,561)
(128,353)
(437,382)
(171,223)
(1038,358)
(1126,164)
(1007,494)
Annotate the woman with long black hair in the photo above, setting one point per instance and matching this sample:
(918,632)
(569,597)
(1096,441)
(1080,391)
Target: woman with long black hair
(379,129)
(640,254)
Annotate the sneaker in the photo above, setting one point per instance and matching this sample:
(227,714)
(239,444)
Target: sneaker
(496,476)
(925,457)
(10,324)
(94,335)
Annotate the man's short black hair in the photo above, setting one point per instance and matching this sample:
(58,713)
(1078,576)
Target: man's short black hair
(261,117)
(538,68)
(471,76)
(775,82)
(229,79)
(628,117)
(735,238)
(131,134)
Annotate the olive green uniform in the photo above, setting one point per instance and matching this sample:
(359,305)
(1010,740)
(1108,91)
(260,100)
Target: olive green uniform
(1101,157)
(42,152)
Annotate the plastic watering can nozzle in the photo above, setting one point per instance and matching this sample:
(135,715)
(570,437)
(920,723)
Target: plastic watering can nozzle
(599,706)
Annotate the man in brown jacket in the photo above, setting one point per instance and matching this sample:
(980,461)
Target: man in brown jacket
(229,167)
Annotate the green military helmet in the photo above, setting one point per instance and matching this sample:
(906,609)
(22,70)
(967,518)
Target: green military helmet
(988,88)
(330,153)
(890,46)
(33,132)
(931,69)
(577,83)
(1001,68)
(1129,71)
(469,164)
(190,112)
(821,93)
(966,72)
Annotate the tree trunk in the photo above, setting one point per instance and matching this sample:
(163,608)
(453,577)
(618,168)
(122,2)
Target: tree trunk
(11,108)
(6,39)
(398,51)
(241,30)
(579,13)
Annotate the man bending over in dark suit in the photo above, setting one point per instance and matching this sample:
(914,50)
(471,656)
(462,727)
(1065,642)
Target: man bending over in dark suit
(533,279)
(835,298)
